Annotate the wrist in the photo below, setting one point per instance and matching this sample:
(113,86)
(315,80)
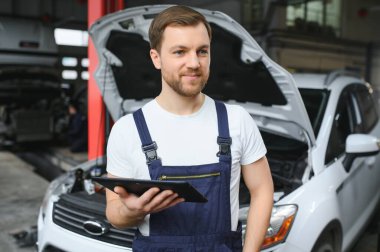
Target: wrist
(250,249)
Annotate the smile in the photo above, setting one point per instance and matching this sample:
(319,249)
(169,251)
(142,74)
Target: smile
(191,77)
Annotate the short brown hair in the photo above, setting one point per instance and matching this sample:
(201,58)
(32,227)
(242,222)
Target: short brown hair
(178,16)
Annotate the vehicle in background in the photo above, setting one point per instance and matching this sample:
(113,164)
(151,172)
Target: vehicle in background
(31,97)
(320,130)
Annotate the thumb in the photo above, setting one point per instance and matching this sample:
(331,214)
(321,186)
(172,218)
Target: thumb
(120,191)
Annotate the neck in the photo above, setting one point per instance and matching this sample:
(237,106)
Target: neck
(180,105)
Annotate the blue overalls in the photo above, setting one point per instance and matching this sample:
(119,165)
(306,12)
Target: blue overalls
(190,227)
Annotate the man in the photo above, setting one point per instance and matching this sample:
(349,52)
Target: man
(77,129)
(184,134)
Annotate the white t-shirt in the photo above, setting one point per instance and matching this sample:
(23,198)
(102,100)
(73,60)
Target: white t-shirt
(184,140)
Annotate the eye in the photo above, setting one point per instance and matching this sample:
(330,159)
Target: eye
(179,52)
(203,52)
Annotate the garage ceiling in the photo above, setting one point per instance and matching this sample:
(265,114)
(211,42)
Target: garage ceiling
(62,13)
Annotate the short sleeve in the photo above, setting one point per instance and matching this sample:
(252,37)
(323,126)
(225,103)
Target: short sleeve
(253,147)
(117,160)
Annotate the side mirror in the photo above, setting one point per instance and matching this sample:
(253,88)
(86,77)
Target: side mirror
(359,145)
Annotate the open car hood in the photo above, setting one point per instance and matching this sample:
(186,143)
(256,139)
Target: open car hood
(241,73)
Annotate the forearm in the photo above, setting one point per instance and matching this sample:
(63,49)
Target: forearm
(258,220)
(120,216)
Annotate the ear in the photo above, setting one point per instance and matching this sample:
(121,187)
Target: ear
(155,56)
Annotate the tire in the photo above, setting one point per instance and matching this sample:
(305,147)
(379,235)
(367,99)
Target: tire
(325,243)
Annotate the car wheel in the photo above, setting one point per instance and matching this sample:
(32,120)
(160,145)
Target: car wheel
(325,243)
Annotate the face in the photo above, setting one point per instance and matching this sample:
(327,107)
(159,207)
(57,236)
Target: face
(184,59)
(72,110)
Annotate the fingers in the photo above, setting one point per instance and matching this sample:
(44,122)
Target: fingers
(151,201)
(147,197)
(160,201)
(164,202)
(169,202)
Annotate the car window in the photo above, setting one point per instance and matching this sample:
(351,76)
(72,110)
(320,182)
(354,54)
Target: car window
(358,114)
(343,125)
(315,101)
(367,107)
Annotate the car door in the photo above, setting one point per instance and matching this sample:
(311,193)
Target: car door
(369,124)
(353,193)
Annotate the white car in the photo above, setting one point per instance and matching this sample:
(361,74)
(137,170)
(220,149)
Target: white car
(323,152)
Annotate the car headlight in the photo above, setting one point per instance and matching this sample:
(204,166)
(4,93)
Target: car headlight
(280,223)
(56,187)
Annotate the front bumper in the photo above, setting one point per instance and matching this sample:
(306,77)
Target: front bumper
(52,235)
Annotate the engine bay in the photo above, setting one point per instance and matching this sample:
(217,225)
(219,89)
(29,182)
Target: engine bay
(287,159)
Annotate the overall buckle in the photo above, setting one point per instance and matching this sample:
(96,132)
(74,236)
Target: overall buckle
(150,152)
(224,146)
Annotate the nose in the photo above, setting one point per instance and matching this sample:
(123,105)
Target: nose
(193,61)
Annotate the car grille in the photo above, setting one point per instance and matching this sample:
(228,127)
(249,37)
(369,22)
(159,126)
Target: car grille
(71,212)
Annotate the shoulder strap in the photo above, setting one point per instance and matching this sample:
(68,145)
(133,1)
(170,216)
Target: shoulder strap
(149,147)
(224,140)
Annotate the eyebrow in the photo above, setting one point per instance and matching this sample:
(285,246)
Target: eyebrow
(185,47)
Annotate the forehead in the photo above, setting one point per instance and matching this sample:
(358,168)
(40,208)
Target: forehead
(176,35)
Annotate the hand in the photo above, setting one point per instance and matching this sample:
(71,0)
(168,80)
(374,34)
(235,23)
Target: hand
(151,201)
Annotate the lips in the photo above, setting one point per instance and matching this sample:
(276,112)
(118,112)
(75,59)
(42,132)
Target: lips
(192,75)
(192,72)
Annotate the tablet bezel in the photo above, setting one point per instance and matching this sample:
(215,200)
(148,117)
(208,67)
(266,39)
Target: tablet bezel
(139,186)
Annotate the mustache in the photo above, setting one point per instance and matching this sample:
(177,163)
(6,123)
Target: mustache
(196,72)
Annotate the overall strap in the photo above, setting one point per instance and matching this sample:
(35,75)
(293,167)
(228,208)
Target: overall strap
(148,146)
(224,140)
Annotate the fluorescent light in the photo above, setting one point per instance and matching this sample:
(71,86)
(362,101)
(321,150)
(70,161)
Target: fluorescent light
(71,37)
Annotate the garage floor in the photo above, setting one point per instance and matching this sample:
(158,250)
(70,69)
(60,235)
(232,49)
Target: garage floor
(22,190)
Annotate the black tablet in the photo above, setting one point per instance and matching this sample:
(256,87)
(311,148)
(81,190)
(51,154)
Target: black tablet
(139,186)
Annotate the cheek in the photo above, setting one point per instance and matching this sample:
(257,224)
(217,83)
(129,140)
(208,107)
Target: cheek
(206,67)
(174,66)
(206,62)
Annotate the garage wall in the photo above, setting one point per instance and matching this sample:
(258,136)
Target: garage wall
(301,54)
(230,7)
(79,54)
(357,27)
(317,61)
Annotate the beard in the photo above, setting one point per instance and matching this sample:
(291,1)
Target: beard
(190,89)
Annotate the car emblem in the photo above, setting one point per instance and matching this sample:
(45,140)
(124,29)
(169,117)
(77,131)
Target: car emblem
(95,227)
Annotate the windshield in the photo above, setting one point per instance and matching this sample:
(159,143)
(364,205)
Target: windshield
(315,101)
